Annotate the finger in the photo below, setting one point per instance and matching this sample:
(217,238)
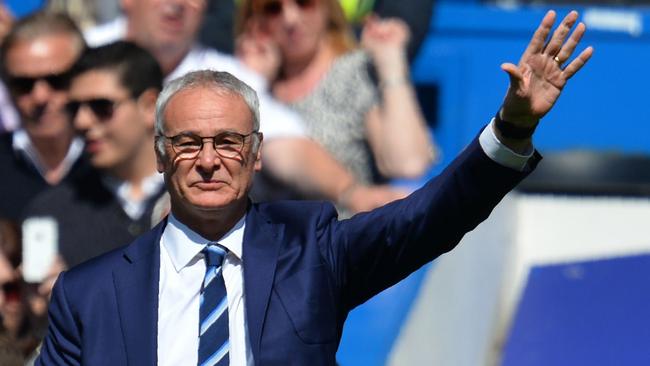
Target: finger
(397,27)
(567,49)
(514,74)
(370,19)
(560,34)
(578,63)
(537,42)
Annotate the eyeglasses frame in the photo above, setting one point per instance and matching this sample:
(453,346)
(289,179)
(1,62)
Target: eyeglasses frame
(186,155)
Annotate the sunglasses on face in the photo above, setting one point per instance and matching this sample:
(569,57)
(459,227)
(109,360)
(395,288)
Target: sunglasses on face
(102,108)
(21,85)
(275,7)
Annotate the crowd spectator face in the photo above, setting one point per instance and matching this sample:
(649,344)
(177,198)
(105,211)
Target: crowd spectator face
(115,126)
(164,25)
(209,182)
(299,27)
(44,59)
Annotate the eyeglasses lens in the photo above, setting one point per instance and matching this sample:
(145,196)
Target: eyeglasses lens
(227,145)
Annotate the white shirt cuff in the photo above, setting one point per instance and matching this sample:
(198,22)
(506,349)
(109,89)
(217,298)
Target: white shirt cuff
(500,153)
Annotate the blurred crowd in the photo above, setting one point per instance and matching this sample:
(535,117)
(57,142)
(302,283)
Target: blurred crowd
(80,80)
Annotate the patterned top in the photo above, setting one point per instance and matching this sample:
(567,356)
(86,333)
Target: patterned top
(335,113)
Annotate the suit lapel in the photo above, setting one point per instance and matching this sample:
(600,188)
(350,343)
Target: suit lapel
(136,286)
(262,240)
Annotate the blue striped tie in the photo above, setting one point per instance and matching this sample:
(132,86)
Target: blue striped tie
(214,345)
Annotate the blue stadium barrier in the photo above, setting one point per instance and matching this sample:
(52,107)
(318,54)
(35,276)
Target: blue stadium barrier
(587,313)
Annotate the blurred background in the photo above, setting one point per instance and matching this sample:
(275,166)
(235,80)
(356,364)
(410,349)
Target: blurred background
(559,273)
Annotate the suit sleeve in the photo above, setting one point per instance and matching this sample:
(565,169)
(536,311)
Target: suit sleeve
(372,251)
(62,344)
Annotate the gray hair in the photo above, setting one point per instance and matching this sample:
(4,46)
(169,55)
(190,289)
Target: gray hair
(217,80)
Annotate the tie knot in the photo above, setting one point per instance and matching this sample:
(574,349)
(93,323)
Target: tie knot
(214,255)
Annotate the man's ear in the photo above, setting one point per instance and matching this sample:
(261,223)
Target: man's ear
(147,106)
(160,160)
(258,154)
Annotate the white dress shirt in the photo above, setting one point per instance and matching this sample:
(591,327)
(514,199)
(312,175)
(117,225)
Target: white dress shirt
(500,153)
(182,268)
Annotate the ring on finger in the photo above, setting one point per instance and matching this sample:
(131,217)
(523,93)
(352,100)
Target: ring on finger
(557,59)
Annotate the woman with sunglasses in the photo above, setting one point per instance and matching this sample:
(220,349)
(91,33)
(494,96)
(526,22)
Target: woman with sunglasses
(308,53)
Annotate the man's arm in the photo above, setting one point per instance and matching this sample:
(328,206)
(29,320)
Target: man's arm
(396,128)
(373,251)
(62,345)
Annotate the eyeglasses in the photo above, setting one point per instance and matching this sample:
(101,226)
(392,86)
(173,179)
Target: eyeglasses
(275,7)
(226,144)
(21,85)
(102,108)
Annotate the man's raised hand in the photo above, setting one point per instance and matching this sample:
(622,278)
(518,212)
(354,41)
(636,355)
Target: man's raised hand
(543,70)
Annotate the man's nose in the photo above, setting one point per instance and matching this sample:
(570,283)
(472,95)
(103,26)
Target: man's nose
(84,118)
(41,92)
(208,158)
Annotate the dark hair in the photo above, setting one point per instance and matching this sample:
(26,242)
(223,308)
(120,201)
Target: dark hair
(136,68)
(39,24)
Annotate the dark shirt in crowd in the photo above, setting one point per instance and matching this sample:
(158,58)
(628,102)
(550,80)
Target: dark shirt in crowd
(90,219)
(20,182)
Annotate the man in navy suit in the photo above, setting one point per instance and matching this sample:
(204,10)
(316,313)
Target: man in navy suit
(292,271)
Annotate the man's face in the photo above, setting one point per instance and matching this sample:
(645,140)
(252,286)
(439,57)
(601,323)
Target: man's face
(208,182)
(43,60)
(116,127)
(164,24)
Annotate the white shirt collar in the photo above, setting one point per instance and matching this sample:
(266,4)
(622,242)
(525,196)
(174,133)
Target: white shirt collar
(22,144)
(122,190)
(183,244)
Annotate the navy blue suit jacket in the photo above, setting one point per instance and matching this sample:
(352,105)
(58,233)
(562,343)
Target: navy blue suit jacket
(304,270)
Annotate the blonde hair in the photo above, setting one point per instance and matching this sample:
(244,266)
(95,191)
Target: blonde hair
(339,31)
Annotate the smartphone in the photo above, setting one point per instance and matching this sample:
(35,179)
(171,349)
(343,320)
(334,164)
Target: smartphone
(40,247)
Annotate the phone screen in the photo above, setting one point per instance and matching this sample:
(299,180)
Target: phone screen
(40,247)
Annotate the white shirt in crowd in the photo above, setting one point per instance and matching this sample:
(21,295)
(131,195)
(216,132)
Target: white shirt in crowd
(9,119)
(22,145)
(121,189)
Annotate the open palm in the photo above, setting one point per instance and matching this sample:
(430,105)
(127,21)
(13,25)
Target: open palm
(537,81)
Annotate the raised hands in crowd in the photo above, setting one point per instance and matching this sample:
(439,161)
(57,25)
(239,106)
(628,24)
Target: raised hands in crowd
(386,41)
